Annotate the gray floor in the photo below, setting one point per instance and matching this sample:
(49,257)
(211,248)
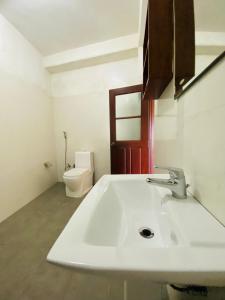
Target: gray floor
(25,239)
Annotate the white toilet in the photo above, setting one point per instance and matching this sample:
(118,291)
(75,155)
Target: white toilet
(79,180)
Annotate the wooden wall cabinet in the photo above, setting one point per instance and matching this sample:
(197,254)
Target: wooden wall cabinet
(169,46)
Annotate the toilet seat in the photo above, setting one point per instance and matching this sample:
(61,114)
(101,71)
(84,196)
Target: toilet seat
(75,172)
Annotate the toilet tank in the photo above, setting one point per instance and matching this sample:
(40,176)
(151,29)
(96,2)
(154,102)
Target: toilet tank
(84,160)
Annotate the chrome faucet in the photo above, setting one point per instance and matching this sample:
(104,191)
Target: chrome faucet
(176,183)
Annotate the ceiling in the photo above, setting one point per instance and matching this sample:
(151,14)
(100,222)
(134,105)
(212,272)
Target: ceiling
(57,25)
(209,15)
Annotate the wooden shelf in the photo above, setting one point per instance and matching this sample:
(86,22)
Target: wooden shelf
(158,48)
(160,40)
(145,57)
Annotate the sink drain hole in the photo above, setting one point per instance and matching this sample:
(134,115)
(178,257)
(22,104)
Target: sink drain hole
(146,232)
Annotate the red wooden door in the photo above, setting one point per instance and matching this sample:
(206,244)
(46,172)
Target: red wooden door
(129,131)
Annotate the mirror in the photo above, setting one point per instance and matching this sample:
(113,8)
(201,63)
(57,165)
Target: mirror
(209,34)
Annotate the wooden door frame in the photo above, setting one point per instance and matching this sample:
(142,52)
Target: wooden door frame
(146,125)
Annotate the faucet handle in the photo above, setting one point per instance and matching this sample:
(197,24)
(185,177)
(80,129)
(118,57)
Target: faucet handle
(175,173)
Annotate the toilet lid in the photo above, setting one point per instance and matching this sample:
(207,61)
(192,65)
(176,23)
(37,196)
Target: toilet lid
(75,172)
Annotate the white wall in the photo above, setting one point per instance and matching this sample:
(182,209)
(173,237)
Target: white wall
(190,134)
(201,138)
(165,136)
(165,133)
(18,57)
(81,106)
(26,122)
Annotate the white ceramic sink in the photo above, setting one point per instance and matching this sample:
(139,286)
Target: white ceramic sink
(188,246)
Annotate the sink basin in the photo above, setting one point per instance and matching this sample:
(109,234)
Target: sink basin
(127,227)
